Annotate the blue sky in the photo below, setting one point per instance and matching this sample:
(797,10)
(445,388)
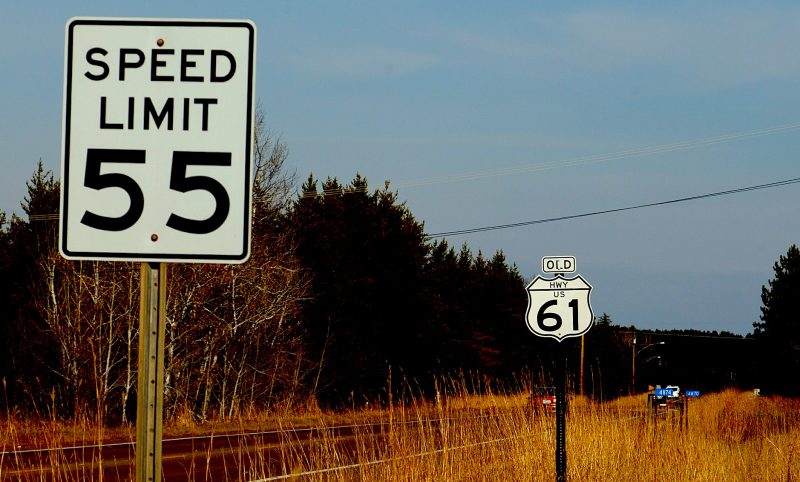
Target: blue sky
(525,96)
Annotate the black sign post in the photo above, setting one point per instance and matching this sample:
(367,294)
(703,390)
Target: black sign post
(561,418)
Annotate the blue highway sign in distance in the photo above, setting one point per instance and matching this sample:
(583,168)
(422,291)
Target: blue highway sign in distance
(693,393)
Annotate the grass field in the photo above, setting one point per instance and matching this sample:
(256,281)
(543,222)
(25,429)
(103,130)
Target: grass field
(730,436)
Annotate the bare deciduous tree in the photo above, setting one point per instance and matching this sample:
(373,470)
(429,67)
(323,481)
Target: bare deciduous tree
(233,340)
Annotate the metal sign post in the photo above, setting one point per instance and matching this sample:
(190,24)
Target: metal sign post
(561,419)
(559,308)
(150,393)
(688,395)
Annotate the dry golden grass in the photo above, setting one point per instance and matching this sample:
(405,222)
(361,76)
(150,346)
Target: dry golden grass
(731,436)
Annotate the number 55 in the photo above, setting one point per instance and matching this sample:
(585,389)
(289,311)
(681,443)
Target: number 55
(178,181)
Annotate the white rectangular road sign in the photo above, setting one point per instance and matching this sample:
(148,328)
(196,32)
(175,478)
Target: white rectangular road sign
(558,264)
(157,140)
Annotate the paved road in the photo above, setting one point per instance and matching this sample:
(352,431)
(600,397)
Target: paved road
(219,457)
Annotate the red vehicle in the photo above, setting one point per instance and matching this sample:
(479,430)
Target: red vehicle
(543,399)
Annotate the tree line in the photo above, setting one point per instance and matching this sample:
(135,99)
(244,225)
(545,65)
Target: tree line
(343,298)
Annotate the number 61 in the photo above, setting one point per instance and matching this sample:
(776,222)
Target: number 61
(543,315)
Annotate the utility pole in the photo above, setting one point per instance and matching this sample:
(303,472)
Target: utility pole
(633,365)
(580,384)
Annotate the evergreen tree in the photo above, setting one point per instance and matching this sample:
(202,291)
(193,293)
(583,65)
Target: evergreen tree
(365,252)
(779,328)
(446,336)
(6,308)
(497,304)
(606,361)
(383,297)
(31,254)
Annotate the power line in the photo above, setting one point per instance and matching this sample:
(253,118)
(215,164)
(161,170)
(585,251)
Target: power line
(559,163)
(457,232)
(555,164)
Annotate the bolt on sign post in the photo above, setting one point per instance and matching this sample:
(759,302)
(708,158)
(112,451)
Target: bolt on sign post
(156,162)
(559,308)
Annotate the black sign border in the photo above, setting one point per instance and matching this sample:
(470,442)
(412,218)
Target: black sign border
(144,257)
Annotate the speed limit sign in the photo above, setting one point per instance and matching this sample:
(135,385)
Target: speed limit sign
(559,307)
(157,140)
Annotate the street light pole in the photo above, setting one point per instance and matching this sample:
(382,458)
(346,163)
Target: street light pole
(634,352)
